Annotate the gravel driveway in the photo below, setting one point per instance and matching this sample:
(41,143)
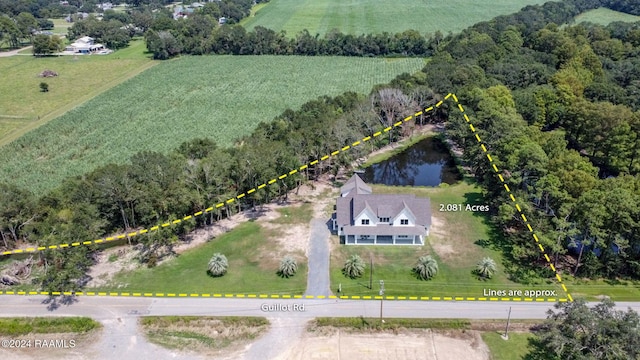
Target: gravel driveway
(318,279)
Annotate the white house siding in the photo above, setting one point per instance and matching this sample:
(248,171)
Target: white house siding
(384,240)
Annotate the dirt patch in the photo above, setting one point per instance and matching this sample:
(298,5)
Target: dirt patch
(208,337)
(51,346)
(438,235)
(109,262)
(405,344)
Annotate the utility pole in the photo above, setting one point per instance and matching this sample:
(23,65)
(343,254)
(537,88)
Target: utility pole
(381,294)
(506,331)
(371,272)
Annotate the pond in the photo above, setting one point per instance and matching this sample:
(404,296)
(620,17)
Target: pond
(427,163)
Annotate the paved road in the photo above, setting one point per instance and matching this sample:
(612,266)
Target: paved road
(14,52)
(120,338)
(101,308)
(318,279)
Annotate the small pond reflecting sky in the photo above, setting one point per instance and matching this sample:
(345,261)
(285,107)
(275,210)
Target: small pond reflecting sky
(427,163)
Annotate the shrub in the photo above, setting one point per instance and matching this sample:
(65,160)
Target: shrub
(218,265)
(353,267)
(426,267)
(288,267)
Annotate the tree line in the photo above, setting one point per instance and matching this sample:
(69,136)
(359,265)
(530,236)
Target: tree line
(197,36)
(557,108)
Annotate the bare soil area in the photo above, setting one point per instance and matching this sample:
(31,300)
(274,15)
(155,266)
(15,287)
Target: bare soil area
(51,346)
(405,345)
(439,238)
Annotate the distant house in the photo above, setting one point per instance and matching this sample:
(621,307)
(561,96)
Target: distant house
(105,6)
(182,12)
(86,45)
(76,16)
(363,218)
(222,20)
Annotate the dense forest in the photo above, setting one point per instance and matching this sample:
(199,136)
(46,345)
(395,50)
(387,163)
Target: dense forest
(558,107)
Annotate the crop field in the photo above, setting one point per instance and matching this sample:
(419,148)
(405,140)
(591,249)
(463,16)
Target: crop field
(604,16)
(370,16)
(24,107)
(221,97)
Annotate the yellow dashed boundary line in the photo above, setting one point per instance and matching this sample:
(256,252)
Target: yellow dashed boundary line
(293,171)
(508,190)
(281,296)
(221,204)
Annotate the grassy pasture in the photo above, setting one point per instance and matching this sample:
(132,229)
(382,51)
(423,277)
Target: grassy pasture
(452,242)
(252,268)
(222,97)
(44,325)
(370,16)
(513,349)
(60,26)
(604,16)
(24,107)
(203,334)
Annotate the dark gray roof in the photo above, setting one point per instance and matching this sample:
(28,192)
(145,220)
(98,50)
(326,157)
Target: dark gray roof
(355,183)
(383,205)
(384,230)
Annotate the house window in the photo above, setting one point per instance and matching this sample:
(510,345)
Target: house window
(365,221)
(404,221)
(402,236)
(385,219)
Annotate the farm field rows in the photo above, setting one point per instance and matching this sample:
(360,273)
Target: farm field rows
(221,97)
(80,78)
(369,16)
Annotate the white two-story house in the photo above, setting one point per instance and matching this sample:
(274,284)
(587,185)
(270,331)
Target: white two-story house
(363,218)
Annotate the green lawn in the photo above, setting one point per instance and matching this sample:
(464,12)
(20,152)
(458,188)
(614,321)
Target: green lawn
(604,16)
(513,349)
(60,26)
(46,325)
(593,290)
(453,241)
(202,333)
(252,268)
(370,16)
(24,107)
(221,97)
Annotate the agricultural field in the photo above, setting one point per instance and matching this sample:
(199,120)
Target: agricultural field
(24,107)
(604,16)
(456,242)
(370,16)
(221,97)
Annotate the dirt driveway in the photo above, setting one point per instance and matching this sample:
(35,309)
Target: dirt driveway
(407,345)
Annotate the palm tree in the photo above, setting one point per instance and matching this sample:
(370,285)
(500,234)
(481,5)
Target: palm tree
(353,267)
(486,267)
(426,267)
(218,265)
(288,267)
